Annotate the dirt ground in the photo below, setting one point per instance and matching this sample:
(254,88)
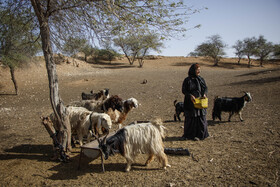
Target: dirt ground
(236,153)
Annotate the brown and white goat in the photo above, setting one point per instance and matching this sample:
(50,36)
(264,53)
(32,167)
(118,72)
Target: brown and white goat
(118,117)
(145,138)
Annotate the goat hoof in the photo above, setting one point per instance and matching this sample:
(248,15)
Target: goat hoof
(167,166)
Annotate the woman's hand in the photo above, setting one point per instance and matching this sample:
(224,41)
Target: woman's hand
(192,98)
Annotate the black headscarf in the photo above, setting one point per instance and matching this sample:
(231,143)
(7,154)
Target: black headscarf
(192,70)
(201,83)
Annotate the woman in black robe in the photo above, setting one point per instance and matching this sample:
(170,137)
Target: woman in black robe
(195,126)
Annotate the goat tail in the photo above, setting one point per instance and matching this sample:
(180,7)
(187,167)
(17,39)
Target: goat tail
(175,102)
(158,123)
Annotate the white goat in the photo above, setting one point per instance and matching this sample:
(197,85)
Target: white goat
(82,121)
(145,138)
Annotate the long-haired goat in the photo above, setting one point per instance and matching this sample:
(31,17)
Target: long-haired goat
(230,104)
(82,121)
(118,117)
(145,138)
(101,95)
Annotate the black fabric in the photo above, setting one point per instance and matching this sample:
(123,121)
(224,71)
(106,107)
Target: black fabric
(195,119)
(195,86)
(195,127)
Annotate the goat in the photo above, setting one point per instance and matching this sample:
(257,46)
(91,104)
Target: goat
(114,102)
(145,138)
(99,121)
(179,108)
(82,121)
(101,95)
(231,105)
(118,117)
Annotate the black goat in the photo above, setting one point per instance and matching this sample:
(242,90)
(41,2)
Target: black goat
(179,108)
(231,105)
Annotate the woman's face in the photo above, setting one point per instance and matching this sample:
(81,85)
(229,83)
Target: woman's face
(197,71)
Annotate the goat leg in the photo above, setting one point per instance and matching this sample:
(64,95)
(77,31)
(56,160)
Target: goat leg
(240,117)
(128,165)
(230,114)
(150,158)
(178,115)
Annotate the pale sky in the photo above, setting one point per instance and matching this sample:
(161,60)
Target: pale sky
(232,19)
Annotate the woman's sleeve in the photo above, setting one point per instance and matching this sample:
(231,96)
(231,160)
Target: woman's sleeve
(185,87)
(206,88)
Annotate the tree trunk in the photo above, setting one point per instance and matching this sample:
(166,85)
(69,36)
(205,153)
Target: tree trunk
(64,134)
(249,61)
(141,62)
(216,61)
(261,62)
(12,71)
(239,59)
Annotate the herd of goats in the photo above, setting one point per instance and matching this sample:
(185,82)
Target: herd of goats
(96,113)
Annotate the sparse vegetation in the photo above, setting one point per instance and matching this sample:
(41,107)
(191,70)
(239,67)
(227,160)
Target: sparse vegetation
(213,48)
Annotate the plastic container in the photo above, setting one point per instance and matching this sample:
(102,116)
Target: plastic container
(201,102)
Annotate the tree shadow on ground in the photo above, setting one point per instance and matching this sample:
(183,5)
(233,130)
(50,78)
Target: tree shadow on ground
(257,81)
(259,72)
(112,65)
(8,94)
(28,151)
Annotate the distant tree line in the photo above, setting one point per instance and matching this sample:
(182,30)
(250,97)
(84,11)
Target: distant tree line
(259,48)
(134,47)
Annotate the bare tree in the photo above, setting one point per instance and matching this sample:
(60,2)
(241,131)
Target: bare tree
(239,47)
(263,49)
(249,49)
(18,38)
(213,48)
(137,46)
(148,42)
(129,45)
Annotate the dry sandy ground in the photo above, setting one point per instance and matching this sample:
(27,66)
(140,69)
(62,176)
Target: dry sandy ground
(236,153)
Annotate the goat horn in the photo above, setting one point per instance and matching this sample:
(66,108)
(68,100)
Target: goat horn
(96,138)
(103,141)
